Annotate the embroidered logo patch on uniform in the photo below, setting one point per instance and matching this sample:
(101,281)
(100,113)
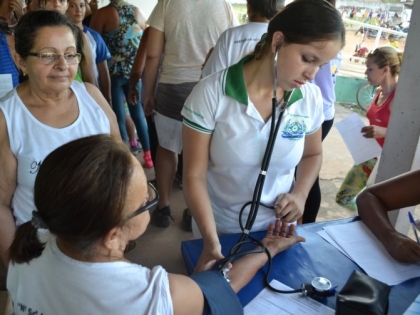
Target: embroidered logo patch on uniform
(294,129)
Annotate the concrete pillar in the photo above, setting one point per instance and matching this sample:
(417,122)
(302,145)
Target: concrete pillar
(404,126)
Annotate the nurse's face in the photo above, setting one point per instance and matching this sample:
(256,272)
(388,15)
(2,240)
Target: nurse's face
(299,63)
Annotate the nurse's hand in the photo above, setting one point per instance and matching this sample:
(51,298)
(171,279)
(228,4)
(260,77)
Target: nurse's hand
(210,254)
(289,207)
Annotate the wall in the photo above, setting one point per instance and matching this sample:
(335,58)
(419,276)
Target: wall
(146,6)
(346,89)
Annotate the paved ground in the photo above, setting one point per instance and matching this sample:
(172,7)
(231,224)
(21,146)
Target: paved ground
(336,162)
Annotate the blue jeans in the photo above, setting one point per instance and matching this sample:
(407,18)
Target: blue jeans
(119,91)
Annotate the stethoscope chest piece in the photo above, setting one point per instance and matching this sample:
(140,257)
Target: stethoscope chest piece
(321,284)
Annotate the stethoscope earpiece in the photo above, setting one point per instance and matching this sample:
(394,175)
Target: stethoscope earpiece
(275,76)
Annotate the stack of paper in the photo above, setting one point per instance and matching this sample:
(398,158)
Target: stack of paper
(357,242)
(414,308)
(270,302)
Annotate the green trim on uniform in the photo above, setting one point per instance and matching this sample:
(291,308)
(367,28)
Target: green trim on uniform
(234,84)
(296,96)
(195,126)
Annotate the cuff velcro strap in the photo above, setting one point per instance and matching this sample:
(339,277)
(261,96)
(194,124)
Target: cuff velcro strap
(220,298)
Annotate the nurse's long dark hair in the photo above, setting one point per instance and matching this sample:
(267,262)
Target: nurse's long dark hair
(79,194)
(304,22)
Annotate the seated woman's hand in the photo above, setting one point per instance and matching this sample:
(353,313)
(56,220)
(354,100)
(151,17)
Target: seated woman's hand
(403,249)
(210,254)
(289,207)
(280,237)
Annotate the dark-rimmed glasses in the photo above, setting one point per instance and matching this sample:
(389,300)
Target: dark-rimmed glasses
(152,200)
(48,58)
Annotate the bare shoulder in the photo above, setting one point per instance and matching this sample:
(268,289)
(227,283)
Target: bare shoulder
(96,95)
(102,102)
(92,89)
(106,10)
(104,16)
(187,297)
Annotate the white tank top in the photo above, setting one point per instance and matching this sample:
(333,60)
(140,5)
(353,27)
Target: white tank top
(31,141)
(57,284)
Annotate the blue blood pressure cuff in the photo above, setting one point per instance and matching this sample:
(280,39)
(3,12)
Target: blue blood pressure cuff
(219,296)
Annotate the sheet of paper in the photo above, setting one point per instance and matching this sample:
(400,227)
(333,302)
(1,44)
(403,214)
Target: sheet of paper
(6,84)
(330,240)
(361,149)
(366,251)
(414,308)
(269,302)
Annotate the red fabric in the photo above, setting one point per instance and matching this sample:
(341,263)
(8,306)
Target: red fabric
(379,115)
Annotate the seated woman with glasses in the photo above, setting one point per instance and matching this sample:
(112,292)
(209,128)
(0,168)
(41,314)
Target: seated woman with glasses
(382,69)
(44,112)
(92,196)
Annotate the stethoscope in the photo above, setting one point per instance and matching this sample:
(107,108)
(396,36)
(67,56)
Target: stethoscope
(319,286)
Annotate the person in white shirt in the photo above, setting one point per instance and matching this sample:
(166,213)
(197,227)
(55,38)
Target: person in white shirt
(227,124)
(181,33)
(42,113)
(92,198)
(236,42)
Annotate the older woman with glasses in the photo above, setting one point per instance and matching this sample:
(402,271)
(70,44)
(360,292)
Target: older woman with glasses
(46,111)
(86,71)
(382,69)
(92,196)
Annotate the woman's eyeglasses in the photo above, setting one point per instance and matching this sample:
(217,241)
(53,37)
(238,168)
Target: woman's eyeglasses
(49,58)
(152,200)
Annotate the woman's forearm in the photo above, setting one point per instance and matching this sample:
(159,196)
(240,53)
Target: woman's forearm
(306,173)
(154,49)
(198,201)
(7,232)
(376,201)
(375,215)
(150,76)
(140,61)
(244,270)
